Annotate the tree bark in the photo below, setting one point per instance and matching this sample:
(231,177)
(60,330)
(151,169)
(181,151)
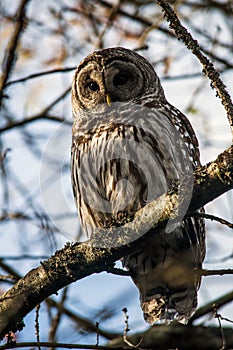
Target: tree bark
(180,337)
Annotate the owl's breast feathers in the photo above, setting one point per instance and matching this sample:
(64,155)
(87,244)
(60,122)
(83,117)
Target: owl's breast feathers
(123,159)
(120,162)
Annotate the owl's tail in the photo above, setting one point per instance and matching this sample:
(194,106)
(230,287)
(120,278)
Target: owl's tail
(163,271)
(166,303)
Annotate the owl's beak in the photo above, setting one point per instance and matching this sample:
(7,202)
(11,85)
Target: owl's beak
(108,99)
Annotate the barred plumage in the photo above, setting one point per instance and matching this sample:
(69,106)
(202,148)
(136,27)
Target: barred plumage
(126,153)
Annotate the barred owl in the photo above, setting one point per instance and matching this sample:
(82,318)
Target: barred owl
(129,147)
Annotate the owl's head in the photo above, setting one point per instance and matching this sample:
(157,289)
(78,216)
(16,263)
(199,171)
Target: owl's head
(116,75)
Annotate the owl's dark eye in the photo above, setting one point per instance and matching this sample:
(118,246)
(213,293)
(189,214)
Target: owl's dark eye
(120,79)
(92,85)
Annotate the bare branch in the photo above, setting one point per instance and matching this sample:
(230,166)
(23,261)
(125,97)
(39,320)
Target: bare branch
(118,272)
(202,311)
(34,118)
(218,272)
(212,218)
(40,115)
(37,326)
(56,345)
(10,53)
(127,329)
(56,319)
(82,322)
(208,68)
(40,74)
(218,316)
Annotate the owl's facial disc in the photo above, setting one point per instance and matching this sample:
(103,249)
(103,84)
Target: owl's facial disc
(123,81)
(89,85)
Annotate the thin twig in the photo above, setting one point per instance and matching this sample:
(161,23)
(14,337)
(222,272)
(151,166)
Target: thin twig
(82,322)
(40,74)
(24,257)
(34,118)
(218,316)
(97,334)
(40,115)
(226,319)
(127,329)
(212,218)
(218,272)
(57,318)
(10,53)
(118,272)
(208,68)
(8,279)
(37,326)
(10,340)
(113,12)
(4,177)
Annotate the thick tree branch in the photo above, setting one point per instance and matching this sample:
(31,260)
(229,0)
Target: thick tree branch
(212,180)
(81,321)
(177,336)
(76,261)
